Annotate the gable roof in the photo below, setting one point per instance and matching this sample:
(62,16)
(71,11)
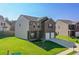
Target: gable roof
(66,21)
(76,22)
(1,18)
(43,19)
(30,17)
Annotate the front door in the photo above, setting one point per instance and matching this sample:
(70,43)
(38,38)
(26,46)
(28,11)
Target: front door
(33,35)
(72,33)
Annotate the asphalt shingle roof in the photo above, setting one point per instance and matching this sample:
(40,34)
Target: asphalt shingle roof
(67,21)
(30,17)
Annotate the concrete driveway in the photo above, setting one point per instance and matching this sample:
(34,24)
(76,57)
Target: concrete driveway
(64,43)
(68,45)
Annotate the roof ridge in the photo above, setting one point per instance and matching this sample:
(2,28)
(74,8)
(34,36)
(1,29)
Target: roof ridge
(30,17)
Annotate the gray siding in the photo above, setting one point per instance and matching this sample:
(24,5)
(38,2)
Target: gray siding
(22,27)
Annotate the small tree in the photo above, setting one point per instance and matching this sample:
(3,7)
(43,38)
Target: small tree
(7,52)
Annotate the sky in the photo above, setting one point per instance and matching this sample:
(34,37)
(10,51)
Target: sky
(52,10)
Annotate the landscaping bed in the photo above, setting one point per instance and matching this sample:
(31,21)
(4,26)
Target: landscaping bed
(51,47)
(47,45)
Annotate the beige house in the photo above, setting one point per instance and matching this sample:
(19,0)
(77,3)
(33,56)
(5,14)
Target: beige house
(4,26)
(32,28)
(77,29)
(65,27)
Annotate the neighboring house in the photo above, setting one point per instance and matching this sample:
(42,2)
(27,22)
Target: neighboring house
(12,26)
(4,26)
(65,27)
(11,23)
(32,28)
(77,29)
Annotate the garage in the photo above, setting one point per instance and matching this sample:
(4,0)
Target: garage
(49,35)
(1,29)
(77,34)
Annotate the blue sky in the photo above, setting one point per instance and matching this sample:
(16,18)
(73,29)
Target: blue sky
(55,11)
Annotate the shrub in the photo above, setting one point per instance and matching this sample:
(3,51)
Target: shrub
(17,53)
(77,41)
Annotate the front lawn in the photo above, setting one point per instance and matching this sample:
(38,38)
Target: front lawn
(13,45)
(75,40)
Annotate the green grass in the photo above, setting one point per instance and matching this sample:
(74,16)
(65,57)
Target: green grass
(67,38)
(13,45)
(71,53)
(47,45)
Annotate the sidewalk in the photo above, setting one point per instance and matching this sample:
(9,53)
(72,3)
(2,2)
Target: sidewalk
(77,53)
(70,50)
(65,52)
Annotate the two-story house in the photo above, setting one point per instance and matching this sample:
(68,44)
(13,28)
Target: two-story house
(65,27)
(4,26)
(47,28)
(77,29)
(33,28)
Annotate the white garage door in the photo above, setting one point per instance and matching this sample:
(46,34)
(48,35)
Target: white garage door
(52,35)
(49,35)
(1,28)
(77,34)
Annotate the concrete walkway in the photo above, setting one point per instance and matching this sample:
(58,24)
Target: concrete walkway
(70,50)
(77,53)
(65,52)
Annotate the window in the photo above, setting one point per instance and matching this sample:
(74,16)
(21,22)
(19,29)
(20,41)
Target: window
(4,24)
(1,23)
(50,25)
(72,27)
(34,26)
(32,34)
(19,25)
(38,26)
(77,26)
